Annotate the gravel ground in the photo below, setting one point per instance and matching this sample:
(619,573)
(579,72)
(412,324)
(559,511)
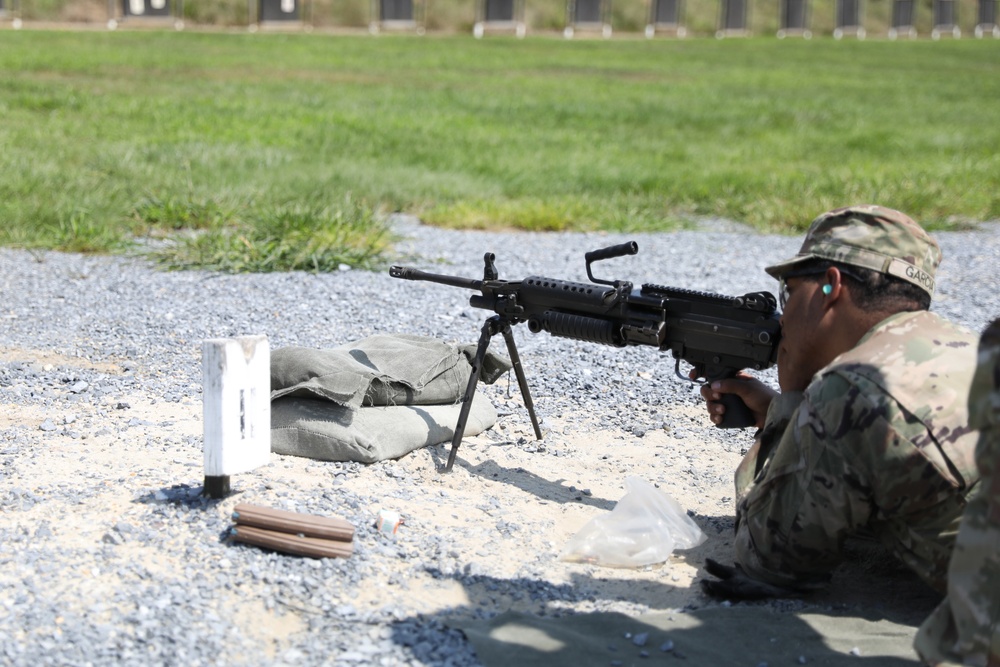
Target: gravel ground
(110,555)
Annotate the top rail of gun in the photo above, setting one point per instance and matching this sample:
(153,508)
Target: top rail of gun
(684,293)
(408,273)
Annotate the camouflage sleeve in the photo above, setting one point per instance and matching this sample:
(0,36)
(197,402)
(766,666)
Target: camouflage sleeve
(809,494)
(779,413)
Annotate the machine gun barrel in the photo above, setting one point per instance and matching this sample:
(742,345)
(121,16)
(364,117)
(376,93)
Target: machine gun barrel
(409,273)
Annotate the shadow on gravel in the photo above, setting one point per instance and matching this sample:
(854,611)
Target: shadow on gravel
(867,617)
(536,629)
(538,596)
(191,497)
(550,490)
(716,636)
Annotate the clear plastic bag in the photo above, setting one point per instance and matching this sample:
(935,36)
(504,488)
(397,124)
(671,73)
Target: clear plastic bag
(643,528)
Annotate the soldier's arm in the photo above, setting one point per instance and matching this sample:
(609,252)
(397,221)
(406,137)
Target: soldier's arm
(807,497)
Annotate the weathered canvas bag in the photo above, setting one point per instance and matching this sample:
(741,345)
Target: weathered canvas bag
(374,399)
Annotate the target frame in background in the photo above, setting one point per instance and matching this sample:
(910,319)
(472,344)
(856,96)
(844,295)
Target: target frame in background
(849,19)
(986,20)
(666,17)
(400,15)
(945,19)
(588,15)
(793,19)
(499,16)
(734,19)
(146,12)
(278,14)
(903,20)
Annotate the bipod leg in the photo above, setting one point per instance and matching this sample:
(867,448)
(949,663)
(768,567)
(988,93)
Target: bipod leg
(490,329)
(522,382)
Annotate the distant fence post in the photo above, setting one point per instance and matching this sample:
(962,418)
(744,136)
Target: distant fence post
(902,22)
(502,15)
(794,18)
(666,16)
(987,19)
(849,19)
(236,395)
(733,18)
(945,19)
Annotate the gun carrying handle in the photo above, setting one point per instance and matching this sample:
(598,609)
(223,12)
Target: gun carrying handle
(737,414)
(619,250)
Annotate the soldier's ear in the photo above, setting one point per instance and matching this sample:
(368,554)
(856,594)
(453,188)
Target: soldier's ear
(834,281)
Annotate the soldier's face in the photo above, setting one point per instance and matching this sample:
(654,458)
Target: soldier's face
(799,355)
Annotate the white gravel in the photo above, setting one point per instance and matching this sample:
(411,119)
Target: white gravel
(110,555)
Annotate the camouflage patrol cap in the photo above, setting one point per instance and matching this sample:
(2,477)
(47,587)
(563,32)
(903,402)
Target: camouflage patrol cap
(870,237)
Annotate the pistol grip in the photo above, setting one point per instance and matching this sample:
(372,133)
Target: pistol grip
(737,414)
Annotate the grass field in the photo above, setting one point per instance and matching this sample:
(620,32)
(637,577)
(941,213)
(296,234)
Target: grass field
(284,149)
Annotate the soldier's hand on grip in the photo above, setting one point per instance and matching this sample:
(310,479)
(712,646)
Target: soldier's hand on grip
(756,395)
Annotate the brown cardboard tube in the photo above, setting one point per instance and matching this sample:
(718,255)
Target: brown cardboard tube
(310,525)
(293,544)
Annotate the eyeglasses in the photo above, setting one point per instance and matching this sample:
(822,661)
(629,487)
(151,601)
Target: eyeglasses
(784,294)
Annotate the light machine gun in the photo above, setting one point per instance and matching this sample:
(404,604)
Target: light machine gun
(718,335)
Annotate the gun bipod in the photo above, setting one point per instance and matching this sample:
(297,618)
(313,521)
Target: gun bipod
(494,325)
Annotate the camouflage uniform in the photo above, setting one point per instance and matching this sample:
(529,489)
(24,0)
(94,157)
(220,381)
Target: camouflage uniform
(878,442)
(965,629)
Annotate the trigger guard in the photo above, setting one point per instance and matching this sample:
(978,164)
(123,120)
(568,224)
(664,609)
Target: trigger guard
(677,372)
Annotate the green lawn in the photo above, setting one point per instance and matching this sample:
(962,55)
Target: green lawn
(266,141)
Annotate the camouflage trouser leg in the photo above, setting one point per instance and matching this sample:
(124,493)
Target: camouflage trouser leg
(936,633)
(965,628)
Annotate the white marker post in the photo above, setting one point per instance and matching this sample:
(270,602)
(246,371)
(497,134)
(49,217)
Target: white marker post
(237,408)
